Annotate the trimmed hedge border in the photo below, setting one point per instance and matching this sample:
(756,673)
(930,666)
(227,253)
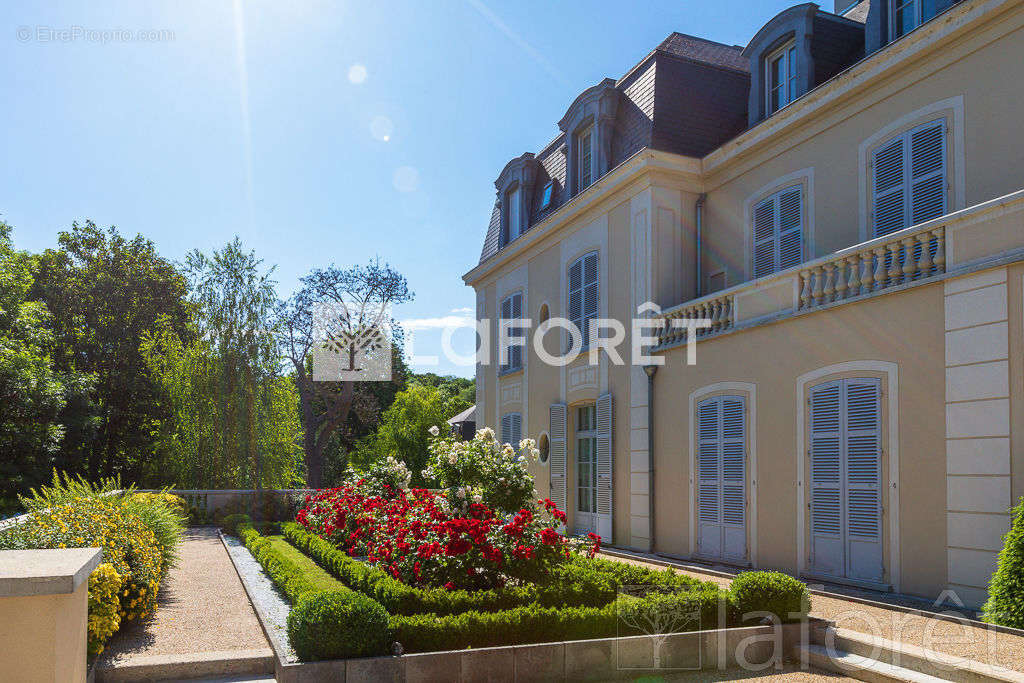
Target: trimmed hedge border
(347,623)
(579,583)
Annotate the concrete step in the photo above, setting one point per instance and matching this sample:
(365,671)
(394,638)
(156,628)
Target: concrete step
(195,665)
(859,667)
(930,662)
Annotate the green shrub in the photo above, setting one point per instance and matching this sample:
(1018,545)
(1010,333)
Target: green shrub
(704,608)
(331,625)
(1005,604)
(130,548)
(529,624)
(231,523)
(165,517)
(773,592)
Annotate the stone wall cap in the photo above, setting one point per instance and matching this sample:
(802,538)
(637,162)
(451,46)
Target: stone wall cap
(46,572)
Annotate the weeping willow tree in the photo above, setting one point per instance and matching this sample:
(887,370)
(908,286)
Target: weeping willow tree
(235,417)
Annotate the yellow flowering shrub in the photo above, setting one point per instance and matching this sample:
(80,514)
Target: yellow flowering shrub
(104,606)
(175,502)
(130,549)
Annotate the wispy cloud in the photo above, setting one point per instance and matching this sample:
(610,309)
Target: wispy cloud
(496,21)
(466,310)
(437,323)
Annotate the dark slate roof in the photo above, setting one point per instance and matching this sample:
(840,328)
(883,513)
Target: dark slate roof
(860,12)
(466,415)
(706,51)
(491,241)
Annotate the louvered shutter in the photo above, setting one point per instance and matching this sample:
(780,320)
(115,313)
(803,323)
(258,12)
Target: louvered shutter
(576,296)
(890,190)
(556,453)
(516,352)
(506,314)
(764,237)
(605,468)
(734,474)
(721,477)
(827,554)
(515,430)
(791,238)
(778,232)
(910,178)
(506,428)
(863,444)
(591,294)
(927,172)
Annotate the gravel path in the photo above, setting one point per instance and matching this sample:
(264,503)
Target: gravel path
(960,639)
(266,597)
(201,608)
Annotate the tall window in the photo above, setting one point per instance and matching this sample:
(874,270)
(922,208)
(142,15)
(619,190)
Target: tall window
(780,78)
(584,158)
(778,231)
(512,429)
(906,15)
(586,459)
(584,290)
(909,173)
(511,309)
(512,202)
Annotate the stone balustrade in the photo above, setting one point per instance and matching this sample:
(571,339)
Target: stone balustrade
(717,310)
(874,267)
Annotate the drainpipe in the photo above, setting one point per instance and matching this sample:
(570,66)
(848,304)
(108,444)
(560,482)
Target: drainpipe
(700,229)
(651,370)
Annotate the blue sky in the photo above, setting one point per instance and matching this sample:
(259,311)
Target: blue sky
(319,132)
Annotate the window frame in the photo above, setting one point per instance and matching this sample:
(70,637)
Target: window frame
(918,12)
(582,323)
(513,203)
(907,185)
(587,131)
(787,53)
(775,196)
(509,367)
(547,195)
(590,436)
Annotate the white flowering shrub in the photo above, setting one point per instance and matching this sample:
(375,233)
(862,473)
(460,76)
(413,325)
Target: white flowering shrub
(385,478)
(483,470)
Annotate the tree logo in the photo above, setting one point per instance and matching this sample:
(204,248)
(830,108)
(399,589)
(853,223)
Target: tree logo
(352,342)
(656,630)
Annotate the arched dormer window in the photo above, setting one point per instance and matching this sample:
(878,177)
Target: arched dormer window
(588,126)
(515,193)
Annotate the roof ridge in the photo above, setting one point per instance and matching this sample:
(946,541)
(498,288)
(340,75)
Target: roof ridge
(702,39)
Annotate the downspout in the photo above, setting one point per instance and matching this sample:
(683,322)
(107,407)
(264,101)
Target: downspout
(700,229)
(651,370)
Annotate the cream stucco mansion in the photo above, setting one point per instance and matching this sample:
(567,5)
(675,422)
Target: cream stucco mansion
(843,198)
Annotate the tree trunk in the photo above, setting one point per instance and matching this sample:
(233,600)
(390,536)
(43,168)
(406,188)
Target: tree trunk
(313,455)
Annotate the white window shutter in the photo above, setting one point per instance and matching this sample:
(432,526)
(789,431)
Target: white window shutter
(721,477)
(591,293)
(515,430)
(863,449)
(791,219)
(764,237)
(506,314)
(826,467)
(605,468)
(516,352)
(576,294)
(778,231)
(927,171)
(506,428)
(889,204)
(557,453)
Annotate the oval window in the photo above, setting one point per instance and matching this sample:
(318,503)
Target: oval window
(543,447)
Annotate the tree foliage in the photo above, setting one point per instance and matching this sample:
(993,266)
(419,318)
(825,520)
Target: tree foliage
(327,406)
(105,292)
(33,391)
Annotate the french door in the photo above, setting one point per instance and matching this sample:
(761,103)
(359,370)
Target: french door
(586,470)
(721,478)
(846,479)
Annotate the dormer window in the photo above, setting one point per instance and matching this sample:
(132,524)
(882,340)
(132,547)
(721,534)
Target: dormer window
(909,14)
(585,160)
(780,77)
(514,222)
(547,194)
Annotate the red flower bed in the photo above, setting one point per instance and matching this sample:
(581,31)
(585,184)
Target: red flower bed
(416,536)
